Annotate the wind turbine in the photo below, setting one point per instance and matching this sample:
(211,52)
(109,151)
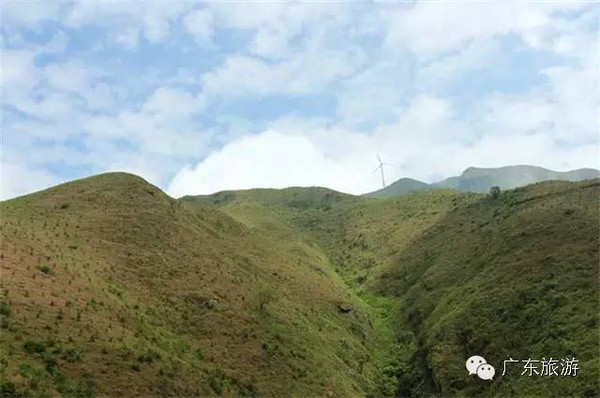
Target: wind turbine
(380,167)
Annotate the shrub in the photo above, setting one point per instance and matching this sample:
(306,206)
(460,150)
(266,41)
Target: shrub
(8,389)
(494,192)
(264,297)
(218,381)
(32,373)
(34,347)
(50,363)
(4,309)
(45,269)
(87,386)
(213,304)
(72,355)
(149,356)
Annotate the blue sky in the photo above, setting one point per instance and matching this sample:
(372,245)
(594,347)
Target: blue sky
(198,97)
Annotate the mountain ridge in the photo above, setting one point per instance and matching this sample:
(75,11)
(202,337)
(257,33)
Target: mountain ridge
(481,179)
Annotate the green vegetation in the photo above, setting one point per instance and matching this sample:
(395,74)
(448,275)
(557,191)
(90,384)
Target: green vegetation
(45,269)
(4,309)
(140,281)
(403,186)
(72,355)
(301,291)
(494,192)
(513,277)
(34,347)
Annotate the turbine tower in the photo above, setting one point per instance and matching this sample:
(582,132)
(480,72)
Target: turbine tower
(380,167)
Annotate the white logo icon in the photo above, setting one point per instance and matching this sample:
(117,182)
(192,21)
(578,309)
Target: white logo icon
(473,363)
(486,371)
(479,366)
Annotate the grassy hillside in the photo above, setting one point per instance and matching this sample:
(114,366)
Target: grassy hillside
(109,287)
(516,276)
(357,234)
(403,186)
(453,274)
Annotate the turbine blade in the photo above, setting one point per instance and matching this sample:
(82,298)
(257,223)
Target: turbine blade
(378,167)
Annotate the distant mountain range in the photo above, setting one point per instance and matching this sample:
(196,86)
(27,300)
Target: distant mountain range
(475,179)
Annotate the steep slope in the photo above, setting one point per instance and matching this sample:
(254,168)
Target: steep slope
(403,186)
(515,276)
(456,274)
(360,238)
(476,179)
(358,234)
(110,287)
(293,220)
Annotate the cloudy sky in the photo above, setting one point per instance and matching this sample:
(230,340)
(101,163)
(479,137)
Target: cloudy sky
(200,97)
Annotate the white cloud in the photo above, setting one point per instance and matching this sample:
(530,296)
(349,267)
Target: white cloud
(53,107)
(428,141)
(163,124)
(23,13)
(20,78)
(171,102)
(276,25)
(372,94)
(246,15)
(57,44)
(431,29)
(17,180)
(533,114)
(200,24)
(470,58)
(271,159)
(303,73)
(575,93)
(72,76)
(297,152)
(154,19)
(128,37)
(270,42)
(18,74)
(427,117)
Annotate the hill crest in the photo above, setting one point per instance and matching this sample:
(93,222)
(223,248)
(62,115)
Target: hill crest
(481,179)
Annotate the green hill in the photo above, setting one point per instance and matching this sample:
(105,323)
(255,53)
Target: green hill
(110,287)
(515,276)
(403,186)
(480,180)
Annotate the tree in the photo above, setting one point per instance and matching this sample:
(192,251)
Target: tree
(494,192)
